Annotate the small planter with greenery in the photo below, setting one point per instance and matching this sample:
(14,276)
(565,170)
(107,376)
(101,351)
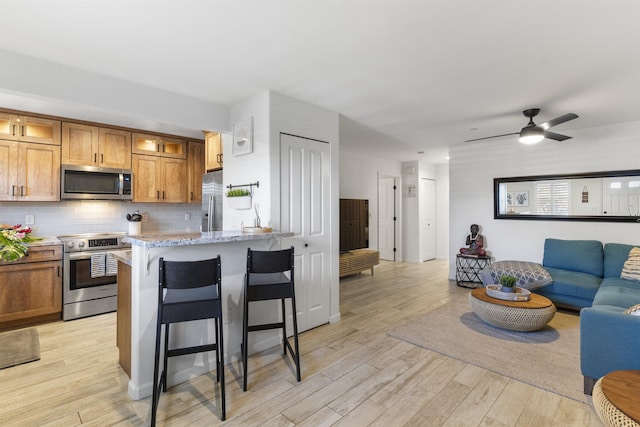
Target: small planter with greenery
(508,283)
(239,198)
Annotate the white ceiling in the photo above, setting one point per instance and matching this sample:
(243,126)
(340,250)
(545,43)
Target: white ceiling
(409,75)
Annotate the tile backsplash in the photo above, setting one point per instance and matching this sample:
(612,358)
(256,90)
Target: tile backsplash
(52,219)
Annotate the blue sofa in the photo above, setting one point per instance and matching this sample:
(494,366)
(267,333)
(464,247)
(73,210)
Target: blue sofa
(586,275)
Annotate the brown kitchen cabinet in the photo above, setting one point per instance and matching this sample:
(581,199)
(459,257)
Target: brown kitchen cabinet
(29,171)
(195,166)
(17,127)
(87,145)
(31,288)
(157,145)
(159,179)
(213,144)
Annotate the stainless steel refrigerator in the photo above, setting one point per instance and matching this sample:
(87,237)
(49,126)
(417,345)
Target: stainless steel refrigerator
(212,192)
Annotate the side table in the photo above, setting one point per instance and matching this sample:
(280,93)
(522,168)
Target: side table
(468,269)
(615,398)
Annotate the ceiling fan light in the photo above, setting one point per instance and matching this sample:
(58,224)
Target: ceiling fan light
(531,136)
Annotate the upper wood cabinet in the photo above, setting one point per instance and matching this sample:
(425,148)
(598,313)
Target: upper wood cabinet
(86,145)
(195,166)
(213,143)
(160,180)
(29,129)
(156,145)
(29,172)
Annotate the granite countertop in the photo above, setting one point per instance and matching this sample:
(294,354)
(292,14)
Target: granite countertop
(156,240)
(122,255)
(46,241)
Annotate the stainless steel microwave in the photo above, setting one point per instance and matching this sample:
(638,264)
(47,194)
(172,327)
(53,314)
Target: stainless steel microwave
(95,183)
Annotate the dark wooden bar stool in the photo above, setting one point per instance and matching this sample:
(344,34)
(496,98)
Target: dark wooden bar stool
(266,280)
(188,291)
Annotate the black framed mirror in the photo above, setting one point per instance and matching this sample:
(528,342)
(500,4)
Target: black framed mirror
(610,196)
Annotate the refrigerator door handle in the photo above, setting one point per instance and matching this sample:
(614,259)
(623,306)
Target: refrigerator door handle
(211,211)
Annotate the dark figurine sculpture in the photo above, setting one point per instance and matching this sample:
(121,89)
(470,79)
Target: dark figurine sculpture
(475,241)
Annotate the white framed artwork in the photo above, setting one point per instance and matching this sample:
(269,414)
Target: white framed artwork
(242,137)
(521,198)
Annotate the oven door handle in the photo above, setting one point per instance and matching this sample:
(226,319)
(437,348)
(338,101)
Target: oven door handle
(85,255)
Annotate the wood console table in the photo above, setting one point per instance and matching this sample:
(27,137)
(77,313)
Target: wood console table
(358,260)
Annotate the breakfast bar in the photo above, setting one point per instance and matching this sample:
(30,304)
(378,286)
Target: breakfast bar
(141,308)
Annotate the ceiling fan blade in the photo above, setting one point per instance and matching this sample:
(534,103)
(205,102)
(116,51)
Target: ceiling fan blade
(556,136)
(558,120)
(494,136)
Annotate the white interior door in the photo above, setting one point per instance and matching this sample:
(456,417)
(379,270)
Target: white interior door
(428,218)
(387,218)
(305,169)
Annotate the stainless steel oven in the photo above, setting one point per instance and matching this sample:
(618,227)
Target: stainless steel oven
(89,279)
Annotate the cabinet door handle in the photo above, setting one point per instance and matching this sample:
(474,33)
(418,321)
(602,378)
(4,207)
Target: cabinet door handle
(162,194)
(22,190)
(102,158)
(192,196)
(58,271)
(163,148)
(13,132)
(22,130)
(158,148)
(95,157)
(158,194)
(13,190)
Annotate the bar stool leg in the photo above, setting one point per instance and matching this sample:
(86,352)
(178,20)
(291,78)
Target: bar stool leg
(156,368)
(295,336)
(220,367)
(166,358)
(245,339)
(284,329)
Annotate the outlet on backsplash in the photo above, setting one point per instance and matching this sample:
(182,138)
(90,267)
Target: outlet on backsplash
(29,219)
(187,216)
(145,217)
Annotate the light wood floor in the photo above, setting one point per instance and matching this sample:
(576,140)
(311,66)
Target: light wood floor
(354,374)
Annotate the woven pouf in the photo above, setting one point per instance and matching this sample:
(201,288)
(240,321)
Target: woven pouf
(515,318)
(608,413)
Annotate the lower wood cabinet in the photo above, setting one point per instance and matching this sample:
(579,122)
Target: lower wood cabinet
(31,288)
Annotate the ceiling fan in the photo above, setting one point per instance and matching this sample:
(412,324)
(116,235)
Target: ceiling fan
(533,133)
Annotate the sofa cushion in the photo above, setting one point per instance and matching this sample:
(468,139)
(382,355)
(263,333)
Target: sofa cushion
(631,268)
(615,255)
(617,292)
(585,256)
(572,283)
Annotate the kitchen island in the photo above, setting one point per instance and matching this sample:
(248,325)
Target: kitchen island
(146,250)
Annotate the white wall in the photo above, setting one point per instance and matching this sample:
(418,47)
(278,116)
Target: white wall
(442,211)
(474,166)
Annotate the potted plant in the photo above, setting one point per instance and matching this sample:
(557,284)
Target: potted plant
(13,241)
(508,283)
(239,198)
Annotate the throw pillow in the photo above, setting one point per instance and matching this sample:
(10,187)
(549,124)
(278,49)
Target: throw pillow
(635,310)
(631,268)
(530,275)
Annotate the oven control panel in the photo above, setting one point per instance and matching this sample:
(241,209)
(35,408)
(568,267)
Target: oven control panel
(103,242)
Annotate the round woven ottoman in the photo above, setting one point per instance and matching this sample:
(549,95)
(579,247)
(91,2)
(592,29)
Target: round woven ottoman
(621,386)
(521,316)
